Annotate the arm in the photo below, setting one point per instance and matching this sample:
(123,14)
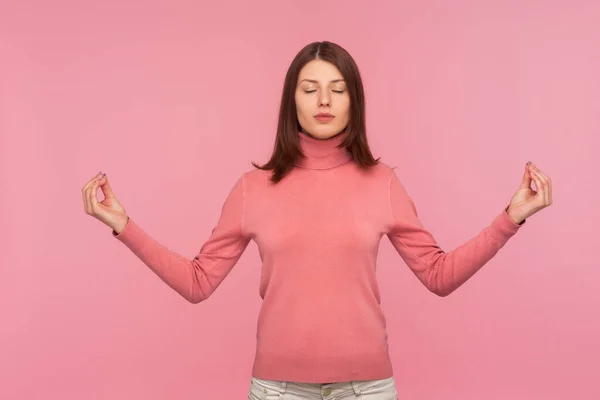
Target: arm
(195,279)
(441,272)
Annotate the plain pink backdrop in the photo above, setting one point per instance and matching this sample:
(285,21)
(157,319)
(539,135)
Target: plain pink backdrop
(173,100)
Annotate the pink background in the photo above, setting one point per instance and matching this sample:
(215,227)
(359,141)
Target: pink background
(173,100)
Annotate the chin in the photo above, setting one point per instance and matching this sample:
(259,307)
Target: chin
(324,131)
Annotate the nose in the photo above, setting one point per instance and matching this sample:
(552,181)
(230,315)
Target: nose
(324,99)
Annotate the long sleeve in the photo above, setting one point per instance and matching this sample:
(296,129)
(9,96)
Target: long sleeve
(196,279)
(441,272)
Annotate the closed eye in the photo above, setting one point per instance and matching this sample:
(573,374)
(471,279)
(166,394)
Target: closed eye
(336,91)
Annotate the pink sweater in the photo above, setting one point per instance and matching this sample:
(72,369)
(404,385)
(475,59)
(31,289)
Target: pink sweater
(318,232)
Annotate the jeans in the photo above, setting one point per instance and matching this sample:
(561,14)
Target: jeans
(379,389)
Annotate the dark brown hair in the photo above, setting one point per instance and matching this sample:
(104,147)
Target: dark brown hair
(287,147)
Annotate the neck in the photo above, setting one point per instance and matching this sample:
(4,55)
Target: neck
(322,153)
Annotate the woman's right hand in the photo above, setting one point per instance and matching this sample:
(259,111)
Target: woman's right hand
(109,210)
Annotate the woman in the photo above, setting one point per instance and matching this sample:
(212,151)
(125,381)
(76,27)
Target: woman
(317,211)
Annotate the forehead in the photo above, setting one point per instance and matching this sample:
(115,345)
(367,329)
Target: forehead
(320,70)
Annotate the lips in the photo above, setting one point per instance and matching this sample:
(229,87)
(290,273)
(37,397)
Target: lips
(324,117)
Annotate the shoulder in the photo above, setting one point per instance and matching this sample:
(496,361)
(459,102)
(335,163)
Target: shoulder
(384,171)
(253,180)
(256,176)
(392,175)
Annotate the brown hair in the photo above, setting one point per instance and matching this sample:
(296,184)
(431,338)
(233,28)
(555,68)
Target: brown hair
(287,147)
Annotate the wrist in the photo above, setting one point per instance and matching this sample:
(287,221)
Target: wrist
(514,218)
(120,225)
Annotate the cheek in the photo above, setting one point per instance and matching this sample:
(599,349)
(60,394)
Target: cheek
(345,108)
(302,108)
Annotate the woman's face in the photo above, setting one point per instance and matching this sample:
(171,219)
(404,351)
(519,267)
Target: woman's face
(321,89)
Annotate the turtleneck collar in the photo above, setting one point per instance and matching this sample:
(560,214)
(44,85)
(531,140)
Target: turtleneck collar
(322,153)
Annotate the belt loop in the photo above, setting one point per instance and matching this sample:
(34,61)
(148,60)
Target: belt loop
(283,387)
(356,388)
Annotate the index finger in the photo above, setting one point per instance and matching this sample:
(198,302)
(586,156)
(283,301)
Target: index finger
(91,181)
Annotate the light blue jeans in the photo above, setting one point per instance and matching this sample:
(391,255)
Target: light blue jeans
(379,389)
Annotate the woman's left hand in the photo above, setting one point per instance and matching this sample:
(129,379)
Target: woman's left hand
(526,201)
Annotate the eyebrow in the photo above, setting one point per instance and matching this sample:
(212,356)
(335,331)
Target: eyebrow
(314,81)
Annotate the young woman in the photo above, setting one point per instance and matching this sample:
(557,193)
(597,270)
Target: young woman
(317,211)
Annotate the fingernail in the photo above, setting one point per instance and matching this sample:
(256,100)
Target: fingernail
(528,162)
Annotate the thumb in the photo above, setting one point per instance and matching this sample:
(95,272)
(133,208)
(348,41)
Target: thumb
(105,187)
(526,182)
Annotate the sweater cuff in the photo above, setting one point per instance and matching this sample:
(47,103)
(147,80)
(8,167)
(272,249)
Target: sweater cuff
(506,212)
(132,235)
(504,227)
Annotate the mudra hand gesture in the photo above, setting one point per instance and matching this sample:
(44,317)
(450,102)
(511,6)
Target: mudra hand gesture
(109,211)
(526,201)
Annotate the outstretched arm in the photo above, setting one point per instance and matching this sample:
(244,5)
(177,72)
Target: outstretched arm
(443,272)
(195,279)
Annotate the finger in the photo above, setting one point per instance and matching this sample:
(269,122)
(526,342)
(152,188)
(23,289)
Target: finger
(546,179)
(105,186)
(536,181)
(540,186)
(546,186)
(526,182)
(539,171)
(549,191)
(84,198)
(85,194)
(89,183)
(92,197)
